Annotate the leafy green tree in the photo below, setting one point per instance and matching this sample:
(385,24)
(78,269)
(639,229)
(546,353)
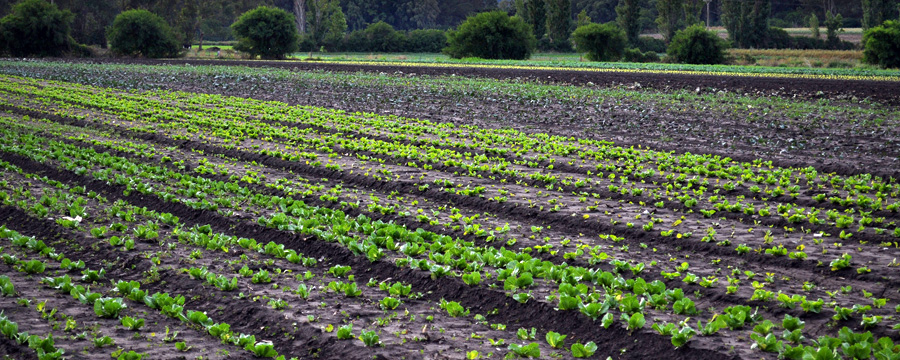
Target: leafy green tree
(670,18)
(814,26)
(747,21)
(425,13)
(382,37)
(188,22)
(873,13)
(534,13)
(491,35)
(426,41)
(628,16)
(833,26)
(604,42)
(559,21)
(142,33)
(882,45)
(692,11)
(267,32)
(36,28)
(696,45)
(582,19)
(326,21)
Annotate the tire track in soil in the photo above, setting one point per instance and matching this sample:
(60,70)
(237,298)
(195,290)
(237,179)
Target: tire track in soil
(480,300)
(632,236)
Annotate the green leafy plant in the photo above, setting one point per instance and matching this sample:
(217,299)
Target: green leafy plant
(531,350)
(583,350)
(108,307)
(132,323)
(369,338)
(555,339)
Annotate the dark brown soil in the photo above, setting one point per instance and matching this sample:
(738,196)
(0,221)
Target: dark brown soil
(882,91)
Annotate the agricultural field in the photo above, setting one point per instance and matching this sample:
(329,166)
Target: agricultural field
(191,211)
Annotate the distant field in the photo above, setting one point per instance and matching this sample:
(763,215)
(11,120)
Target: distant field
(758,62)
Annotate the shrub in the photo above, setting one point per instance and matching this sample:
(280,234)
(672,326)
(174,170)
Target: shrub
(696,45)
(354,41)
(646,43)
(604,42)
(491,35)
(140,32)
(426,41)
(382,37)
(267,32)
(635,55)
(36,28)
(882,45)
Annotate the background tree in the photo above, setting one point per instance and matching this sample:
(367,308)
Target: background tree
(814,26)
(671,17)
(142,33)
(534,13)
(833,26)
(425,13)
(267,32)
(382,37)
(628,17)
(747,21)
(188,22)
(491,35)
(882,45)
(692,11)
(559,22)
(873,13)
(36,28)
(582,19)
(299,9)
(326,21)
(604,42)
(696,45)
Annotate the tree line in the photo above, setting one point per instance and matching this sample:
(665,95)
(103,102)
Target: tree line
(210,19)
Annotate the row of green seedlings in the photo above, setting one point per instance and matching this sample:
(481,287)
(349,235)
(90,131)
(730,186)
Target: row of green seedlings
(37,267)
(767,177)
(44,346)
(740,248)
(371,251)
(64,283)
(111,307)
(775,250)
(374,252)
(686,163)
(758,294)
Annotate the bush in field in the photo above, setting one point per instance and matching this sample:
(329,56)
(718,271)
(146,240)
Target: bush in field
(382,37)
(491,35)
(36,28)
(635,55)
(696,45)
(882,45)
(267,32)
(140,32)
(601,42)
(426,41)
